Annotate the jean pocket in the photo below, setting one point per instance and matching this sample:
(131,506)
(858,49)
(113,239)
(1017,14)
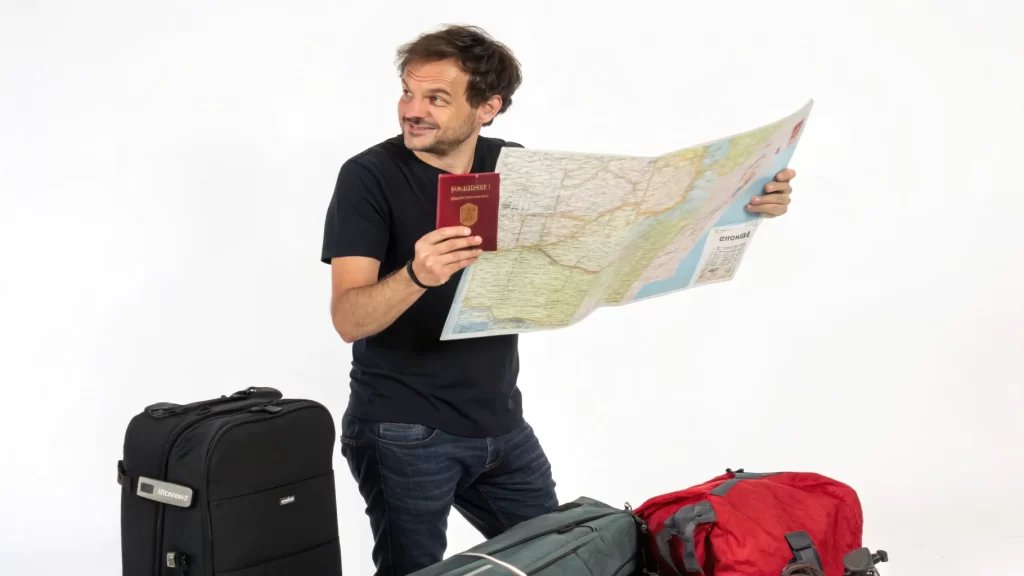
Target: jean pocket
(349,431)
(401,434)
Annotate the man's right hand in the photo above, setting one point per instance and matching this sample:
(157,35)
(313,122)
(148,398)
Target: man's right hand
(443,252)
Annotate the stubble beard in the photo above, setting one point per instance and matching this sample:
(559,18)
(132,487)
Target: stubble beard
(445,141)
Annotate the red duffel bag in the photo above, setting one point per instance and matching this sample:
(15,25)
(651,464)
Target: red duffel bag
(755,524)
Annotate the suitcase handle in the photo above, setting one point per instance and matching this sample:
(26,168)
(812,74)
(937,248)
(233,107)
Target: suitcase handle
(165,409)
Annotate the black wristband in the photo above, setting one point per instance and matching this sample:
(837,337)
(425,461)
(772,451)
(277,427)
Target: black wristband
(412,276)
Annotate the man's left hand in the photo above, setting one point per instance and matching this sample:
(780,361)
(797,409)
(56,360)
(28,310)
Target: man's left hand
(775,200)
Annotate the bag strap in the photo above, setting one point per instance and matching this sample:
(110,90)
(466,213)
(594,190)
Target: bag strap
(683,524)
(803,549)
(737,477)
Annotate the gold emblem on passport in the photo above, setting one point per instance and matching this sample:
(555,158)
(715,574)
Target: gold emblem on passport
(468,214)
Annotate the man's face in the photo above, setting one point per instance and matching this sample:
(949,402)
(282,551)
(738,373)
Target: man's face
(433,111)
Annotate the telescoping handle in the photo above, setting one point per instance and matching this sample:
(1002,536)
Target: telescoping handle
(259,393)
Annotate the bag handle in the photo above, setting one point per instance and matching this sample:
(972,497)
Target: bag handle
(165,409)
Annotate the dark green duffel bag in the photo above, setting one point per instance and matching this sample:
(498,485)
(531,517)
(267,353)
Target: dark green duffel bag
(583,537)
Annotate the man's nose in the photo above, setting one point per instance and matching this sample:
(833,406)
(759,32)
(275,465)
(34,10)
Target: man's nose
(413,108)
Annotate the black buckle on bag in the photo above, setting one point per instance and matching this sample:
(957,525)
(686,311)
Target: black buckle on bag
(861,562)
(177,560)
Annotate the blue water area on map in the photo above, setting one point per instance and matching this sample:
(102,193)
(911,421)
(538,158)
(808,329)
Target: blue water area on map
(716,152)
(736,213)
(467,326)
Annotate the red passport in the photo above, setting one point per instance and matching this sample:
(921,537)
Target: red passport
(470,200)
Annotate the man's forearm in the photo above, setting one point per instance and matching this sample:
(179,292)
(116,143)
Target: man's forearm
(367,310)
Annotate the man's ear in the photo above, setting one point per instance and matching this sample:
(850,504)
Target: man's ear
(489,109)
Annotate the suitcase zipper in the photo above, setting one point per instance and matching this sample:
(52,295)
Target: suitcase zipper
(172,441)
(178,560)
(261,412)
(561,529)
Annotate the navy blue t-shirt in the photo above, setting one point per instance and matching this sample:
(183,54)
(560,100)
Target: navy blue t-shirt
(384,201)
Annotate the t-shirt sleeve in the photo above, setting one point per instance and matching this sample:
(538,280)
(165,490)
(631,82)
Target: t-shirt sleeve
(357,221)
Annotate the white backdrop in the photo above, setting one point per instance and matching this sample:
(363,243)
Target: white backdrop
(165,169)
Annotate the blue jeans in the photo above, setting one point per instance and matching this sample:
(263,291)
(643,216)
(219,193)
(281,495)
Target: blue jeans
(411,476)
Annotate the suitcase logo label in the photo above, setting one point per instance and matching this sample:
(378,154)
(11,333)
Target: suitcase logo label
(287,500)
(164,492)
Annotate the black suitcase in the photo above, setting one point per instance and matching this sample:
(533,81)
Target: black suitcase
(241,485)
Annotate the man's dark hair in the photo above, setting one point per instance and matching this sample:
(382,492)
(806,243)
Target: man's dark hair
(491,66)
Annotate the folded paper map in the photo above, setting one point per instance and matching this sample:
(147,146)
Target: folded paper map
(579,231)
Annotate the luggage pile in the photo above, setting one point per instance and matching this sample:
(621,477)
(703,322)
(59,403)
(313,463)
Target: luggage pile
(243,485)
(736,524)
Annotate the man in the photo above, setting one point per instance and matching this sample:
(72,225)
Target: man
(432,425)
